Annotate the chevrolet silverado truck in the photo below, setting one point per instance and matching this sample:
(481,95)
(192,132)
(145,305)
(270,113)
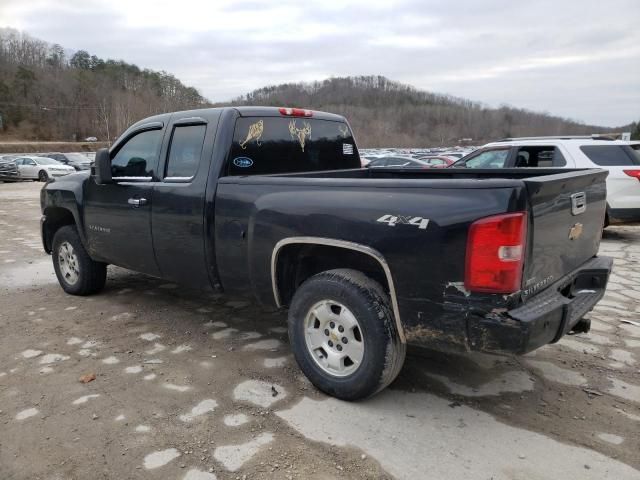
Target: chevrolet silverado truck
(273,202)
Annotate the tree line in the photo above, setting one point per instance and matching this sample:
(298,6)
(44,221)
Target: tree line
(48,94)
(384,113)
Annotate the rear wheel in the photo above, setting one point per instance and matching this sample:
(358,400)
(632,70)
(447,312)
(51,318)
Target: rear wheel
(343,334)
(43,176)
(77,273)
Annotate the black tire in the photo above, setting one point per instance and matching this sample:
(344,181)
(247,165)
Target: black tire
(43,176)
(91,275)
(384,353)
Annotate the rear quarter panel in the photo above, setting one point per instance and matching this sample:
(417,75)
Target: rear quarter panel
(427,265)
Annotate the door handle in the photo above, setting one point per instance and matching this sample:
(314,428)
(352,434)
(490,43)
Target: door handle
(137,202)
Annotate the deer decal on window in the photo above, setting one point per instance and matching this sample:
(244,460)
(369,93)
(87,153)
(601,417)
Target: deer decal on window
(300,133)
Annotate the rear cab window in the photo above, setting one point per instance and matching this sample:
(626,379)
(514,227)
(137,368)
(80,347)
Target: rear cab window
(272,145)
(611,155)
(185,151)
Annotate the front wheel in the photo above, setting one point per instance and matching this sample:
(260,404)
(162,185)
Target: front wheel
(343,334)
(77,273)
(43,176)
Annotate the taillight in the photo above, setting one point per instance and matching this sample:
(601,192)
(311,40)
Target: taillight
(295,112)
(495,253)
(633,173)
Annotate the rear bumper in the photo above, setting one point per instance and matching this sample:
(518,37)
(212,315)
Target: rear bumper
(546,317)
(625,214)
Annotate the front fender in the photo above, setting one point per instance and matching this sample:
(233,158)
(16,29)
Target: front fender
(61,204)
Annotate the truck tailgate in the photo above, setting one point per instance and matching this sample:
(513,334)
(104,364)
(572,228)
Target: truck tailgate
(567,216)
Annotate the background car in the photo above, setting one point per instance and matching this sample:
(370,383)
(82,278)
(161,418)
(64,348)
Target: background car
(437,161)
(41,168)
(78,161)
(397,162)
(620,158)
(8,169)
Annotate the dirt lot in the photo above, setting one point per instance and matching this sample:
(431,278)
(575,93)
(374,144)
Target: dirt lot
(193,385)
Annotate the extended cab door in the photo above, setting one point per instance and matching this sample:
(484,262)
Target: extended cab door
(118,215)
(179,204)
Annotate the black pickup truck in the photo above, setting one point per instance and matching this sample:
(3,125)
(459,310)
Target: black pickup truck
(273,202)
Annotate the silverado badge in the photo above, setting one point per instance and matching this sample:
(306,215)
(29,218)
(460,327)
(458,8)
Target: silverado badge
(575,231)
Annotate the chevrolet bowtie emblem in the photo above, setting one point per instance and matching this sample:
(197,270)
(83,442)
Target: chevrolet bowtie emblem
(575,231)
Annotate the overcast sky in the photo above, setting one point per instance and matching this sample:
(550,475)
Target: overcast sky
(578,59)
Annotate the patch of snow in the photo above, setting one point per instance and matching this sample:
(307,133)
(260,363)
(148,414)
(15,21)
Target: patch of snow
(160,458)
(259,393)
(235,420)
(85,399)
(29,412)
(149,337)
(31,353)
(234,456)
(267,344)
(53,358)
(205,406)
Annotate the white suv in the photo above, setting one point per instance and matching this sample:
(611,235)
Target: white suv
(622,159)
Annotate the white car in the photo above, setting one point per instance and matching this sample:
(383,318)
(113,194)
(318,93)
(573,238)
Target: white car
(621,158)
(41,168)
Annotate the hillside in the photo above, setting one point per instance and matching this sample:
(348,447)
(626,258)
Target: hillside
(48,94)
(387,113)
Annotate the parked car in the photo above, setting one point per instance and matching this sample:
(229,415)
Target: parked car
(621,159)
(8,169)
(273,203)
(78,161)
(437,161)
(453,155)
(41,168)
(91,139)
(397,162)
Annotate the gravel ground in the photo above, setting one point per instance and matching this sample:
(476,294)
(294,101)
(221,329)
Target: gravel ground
(197,386)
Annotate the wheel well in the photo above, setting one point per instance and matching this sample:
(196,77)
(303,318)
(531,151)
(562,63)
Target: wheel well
(56,218)
(297,262)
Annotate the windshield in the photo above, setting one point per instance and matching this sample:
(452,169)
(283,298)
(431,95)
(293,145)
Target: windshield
(46,161)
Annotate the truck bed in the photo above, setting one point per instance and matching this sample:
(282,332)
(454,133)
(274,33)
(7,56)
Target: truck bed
(437,173)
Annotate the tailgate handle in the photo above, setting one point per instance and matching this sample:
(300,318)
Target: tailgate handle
(578,203)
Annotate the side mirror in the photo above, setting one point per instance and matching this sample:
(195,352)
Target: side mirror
(103,167)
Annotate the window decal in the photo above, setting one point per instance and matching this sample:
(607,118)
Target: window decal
(254,133)
(242,162)
(344,130)
(300,133)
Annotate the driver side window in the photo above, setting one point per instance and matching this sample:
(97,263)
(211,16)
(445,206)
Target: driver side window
(138,157)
